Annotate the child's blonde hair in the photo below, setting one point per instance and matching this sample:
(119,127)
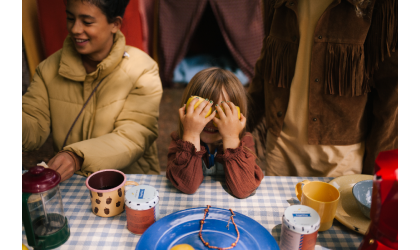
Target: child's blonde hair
(209,84)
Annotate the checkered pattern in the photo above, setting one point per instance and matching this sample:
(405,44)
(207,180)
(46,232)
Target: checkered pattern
(266,206)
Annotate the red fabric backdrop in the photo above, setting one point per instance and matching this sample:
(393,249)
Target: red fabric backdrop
(52,22)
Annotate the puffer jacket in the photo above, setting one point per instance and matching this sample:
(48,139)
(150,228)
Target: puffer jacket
(119,125)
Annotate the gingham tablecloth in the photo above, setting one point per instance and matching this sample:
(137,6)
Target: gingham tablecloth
(266,206)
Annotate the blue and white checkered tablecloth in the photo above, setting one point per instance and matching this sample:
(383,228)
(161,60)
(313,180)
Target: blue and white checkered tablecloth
(266,206)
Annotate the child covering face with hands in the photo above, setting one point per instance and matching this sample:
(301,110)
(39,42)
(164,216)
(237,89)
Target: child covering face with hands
(213,143)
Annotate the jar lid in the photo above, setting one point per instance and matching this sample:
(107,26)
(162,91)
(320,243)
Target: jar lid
(39,179)
(301,219)
(141,197)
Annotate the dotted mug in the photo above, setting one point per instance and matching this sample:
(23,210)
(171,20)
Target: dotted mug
(107,191)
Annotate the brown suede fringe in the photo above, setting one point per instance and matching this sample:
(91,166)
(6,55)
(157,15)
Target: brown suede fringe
(344,71)
(383,32)
(349,67)
(280,61)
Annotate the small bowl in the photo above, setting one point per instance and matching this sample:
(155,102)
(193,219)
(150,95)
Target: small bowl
(362,191)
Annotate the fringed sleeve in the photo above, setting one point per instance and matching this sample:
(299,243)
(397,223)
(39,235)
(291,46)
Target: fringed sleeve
(256,105)
(275,65)
(382,42)
(383,133)
(382,38)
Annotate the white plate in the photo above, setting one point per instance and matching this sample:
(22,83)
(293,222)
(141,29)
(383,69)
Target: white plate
(348,213)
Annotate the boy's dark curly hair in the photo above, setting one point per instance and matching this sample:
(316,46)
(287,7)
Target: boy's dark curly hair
(110,8)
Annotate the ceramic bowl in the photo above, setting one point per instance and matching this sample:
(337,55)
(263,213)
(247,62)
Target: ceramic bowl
(362,192)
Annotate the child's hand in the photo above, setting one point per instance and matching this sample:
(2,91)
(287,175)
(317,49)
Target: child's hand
(229,125)
(194,120)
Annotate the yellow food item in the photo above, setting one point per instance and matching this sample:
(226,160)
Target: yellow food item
(237,108)
(182,247)
(24,247)
(200,100)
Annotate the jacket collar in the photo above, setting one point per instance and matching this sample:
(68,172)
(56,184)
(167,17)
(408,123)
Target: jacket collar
(71,65)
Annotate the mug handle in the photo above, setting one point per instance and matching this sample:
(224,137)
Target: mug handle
(298,188)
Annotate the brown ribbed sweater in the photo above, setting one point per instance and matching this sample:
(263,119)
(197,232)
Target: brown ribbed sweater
(242,174)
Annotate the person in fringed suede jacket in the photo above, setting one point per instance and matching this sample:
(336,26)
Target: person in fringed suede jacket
(327,83)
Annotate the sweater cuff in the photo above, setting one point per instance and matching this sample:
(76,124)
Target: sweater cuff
(78,161)
(190,148)
(230,153)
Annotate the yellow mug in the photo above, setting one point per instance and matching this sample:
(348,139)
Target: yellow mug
(322,197)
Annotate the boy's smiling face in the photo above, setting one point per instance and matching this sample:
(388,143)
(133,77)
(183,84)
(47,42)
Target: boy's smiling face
(89,29)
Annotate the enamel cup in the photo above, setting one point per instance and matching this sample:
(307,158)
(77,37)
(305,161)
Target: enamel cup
(322,197)
(107,191)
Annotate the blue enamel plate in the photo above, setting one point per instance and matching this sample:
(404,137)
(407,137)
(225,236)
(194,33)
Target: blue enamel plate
(182,227)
